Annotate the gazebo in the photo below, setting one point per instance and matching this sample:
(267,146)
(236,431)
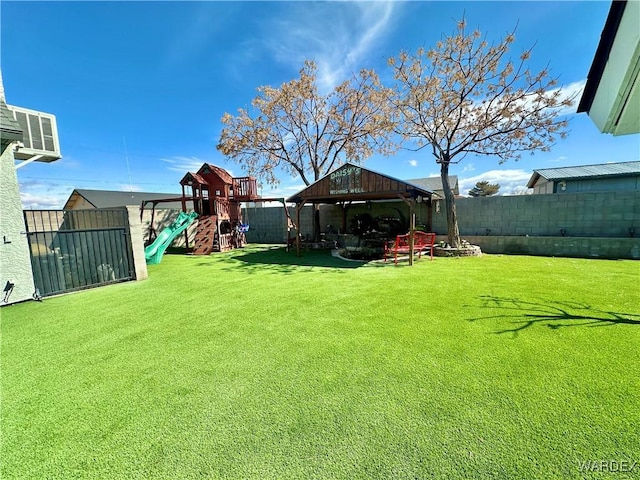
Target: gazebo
(353,183)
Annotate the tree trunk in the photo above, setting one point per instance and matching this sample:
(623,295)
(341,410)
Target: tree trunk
(450,205)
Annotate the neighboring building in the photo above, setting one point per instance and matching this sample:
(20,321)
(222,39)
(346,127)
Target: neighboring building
(611,95)
(586,178)
(29,136)
(434,184)
(154,218)
(81,199)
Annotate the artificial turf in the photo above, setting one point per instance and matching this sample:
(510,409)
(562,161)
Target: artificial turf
(259,364)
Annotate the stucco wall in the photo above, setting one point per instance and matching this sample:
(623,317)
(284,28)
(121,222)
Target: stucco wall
(15,262)
(137,242)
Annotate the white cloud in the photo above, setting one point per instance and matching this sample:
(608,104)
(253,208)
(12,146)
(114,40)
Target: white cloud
(44,201)
(125,187)
(512,182)
(573,90)
(413,163)
(284,191)
(337,35)
(561,158)
(187,164)
(468,168)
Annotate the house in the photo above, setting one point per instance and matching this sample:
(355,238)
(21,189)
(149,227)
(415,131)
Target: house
(81,199)
(434,184)
(28,136)
(611,95)
(586,178)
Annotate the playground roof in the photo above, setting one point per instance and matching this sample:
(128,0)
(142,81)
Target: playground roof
(221,172)
(193,177)
(355,183)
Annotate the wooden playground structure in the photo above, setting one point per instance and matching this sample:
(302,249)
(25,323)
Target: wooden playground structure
(217,198)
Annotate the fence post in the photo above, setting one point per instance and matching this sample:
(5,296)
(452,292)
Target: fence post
(137,242)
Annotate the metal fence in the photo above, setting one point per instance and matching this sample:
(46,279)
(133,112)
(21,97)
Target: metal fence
(77,249)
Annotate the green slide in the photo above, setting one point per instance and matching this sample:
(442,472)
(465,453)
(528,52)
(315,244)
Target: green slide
(153,253)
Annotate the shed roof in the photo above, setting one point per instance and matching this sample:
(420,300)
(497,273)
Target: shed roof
(355,183)
(111,199)
(620,169)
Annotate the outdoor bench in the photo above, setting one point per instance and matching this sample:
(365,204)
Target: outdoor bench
(421,242)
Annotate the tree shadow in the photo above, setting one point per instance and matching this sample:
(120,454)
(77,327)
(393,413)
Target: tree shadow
(553,315)
(277,259)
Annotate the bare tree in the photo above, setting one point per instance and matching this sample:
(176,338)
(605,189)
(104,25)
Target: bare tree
(466,97)
(298,130)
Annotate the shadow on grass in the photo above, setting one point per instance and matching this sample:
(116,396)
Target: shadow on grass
(276,258)
(553,315)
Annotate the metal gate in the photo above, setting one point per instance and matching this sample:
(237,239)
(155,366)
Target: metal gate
(77,249)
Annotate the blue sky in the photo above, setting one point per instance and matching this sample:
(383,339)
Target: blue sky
(146,83)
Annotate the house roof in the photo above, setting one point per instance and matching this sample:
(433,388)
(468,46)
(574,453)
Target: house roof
(10,130)
(435,183)
(611,96)
(607,37)
(621,169)
(111,199)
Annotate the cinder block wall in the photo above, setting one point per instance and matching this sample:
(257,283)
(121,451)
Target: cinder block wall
(598,214)
(495,223)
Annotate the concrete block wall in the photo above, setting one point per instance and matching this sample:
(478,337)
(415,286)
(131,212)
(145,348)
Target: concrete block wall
(597,214)
(590,247)
(594,224)
(163,217)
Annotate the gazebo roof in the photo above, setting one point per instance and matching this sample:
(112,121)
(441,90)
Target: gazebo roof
(355,183)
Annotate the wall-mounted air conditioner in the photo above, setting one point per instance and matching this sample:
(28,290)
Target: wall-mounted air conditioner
(39,135)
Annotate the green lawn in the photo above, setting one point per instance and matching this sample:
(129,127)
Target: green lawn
(259,364)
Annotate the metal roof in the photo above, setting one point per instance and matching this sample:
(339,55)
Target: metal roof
(620,169)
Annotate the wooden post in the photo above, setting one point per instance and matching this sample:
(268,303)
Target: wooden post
(298,208)
(412,229)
